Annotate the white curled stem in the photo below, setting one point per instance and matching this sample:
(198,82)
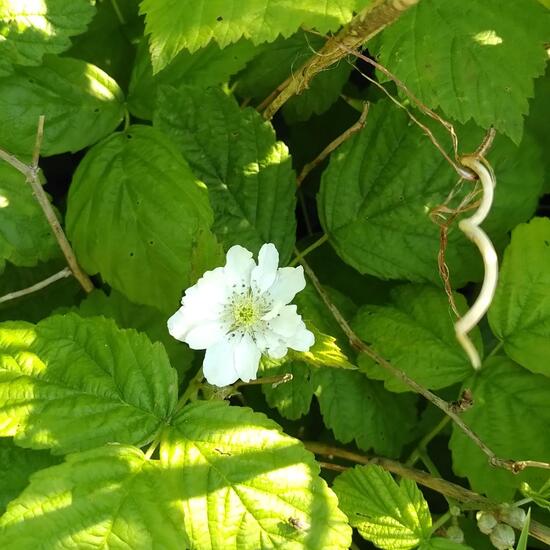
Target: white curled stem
(470,227)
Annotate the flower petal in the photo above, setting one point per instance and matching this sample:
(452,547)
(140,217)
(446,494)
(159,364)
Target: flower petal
(301,340)
(238,266)
(286,322)
(179,324)
(247,358)
(219,366)
(289,281)
(264,274)
(204,335)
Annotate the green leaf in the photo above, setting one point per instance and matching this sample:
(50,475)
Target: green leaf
(380,186)
(25,236)
(69,383)
(111,497)
(81,104)
(109,40)
(325,352)
(535,124)
(390,515)
(279,60)
(208,66)
(30,29)
(293,398)
(509,414)
(416,334)
(248,173)
(16,466)
(356,408)
(473,59)
(246,485)
(524,536)
(520,311)
(192,24)
(142,318)
(136,213)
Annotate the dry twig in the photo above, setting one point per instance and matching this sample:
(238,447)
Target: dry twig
(32,175)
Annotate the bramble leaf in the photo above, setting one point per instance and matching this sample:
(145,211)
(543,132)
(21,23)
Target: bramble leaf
(70,383)
(80,102)
(509,414)
(142,318)
(245,485)
(356,408)
(381,184)
(111,497)
(520,311)
(33,28)
(208,66)
(416,334)
(16,466)
(192,24)
(136,214)
(390,515)
(234,151)
(473,59)
(25,236)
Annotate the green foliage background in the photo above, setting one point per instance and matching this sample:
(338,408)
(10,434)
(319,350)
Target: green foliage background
(157,159)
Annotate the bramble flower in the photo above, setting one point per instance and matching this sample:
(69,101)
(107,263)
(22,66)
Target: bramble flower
(239,312)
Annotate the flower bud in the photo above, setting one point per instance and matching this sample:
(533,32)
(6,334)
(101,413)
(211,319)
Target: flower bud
(486,522)
(513,516)
(455,534)
(503,537)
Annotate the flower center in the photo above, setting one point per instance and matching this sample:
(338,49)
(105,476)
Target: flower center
(246,312)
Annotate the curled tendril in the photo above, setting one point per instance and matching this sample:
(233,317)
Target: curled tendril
(470,227)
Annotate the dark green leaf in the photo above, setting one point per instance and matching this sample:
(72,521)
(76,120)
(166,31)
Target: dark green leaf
(248,173)
(136,215)
(473,59)
(416,333)
(81,104)
(509,414)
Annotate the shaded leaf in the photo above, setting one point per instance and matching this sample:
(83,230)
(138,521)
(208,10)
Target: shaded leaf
(415,332)
(520,311)
(234,151)
(473,59)
(509,414)
(136,214)
(81,104)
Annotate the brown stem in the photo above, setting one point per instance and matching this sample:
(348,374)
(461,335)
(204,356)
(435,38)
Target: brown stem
(359,125)
(469,499)
(366,24)
(450,409)
(32,175)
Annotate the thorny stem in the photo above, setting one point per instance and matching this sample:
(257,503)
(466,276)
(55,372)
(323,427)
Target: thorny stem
(323,239)
(38,286)
(359,125)
(366,24)
(32,175)
(449,409)
(469,499)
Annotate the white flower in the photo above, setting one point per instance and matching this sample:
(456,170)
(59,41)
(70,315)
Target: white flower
(239,312)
